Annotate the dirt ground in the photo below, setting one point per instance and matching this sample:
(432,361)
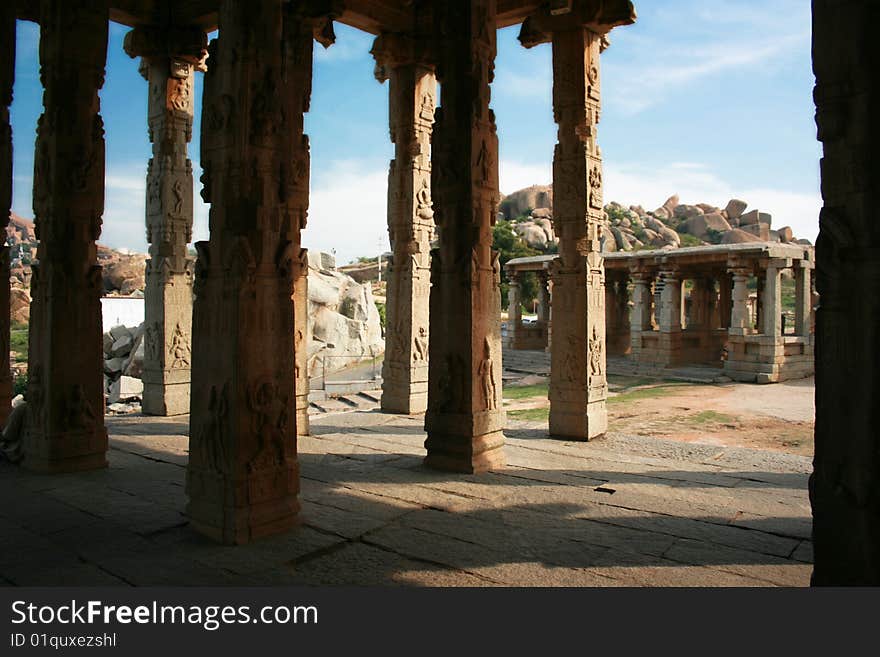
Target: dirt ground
(775,417)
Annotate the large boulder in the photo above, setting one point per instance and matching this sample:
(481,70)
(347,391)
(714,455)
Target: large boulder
(761,230)
(786,234)
(532,234)
(125,388)
(19,305)
(623,243)
(738,236)
(687,211)
(702,225)
(523,201)
(735,208)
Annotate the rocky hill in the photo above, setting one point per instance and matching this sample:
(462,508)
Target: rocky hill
(123,270)
(672,225)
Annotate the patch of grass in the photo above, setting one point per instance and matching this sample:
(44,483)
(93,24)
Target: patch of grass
(18,342)
(530,414)
(642,393)
(704,417)
(524,392)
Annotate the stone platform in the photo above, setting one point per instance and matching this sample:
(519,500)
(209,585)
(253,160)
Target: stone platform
(622,511)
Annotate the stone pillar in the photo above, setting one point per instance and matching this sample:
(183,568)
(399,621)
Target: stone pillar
(514,309)
(670,302)
(740,318)
(65,384)
(169,214)
(578,387)
(465,419)
(725,301)
(640,320)
(846,476)
(412,96)
(7,77)
(243,474)
(803,298)
(771,307)
(543,297)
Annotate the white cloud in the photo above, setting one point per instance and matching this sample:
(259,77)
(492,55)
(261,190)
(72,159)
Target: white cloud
(348,209)
(517,175)
(521,86)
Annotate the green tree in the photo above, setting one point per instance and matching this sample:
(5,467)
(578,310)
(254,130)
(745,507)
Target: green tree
(509,246)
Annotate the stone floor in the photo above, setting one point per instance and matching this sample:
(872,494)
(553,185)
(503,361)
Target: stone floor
(622,511)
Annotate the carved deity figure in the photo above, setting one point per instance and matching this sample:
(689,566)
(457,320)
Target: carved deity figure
(595,354)
(180,349)
(423,198)
(78,412)
(420,344)
(486,373)
(177,190)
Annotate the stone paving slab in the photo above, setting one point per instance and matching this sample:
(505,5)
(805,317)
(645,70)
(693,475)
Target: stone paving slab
(622,511)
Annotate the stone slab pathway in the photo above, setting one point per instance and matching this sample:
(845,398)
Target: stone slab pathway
(623,511)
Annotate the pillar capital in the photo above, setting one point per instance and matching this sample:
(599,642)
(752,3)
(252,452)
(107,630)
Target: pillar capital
(185,44)
(393,50)
(599,16)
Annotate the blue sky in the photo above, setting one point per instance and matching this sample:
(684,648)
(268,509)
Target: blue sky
(708,99)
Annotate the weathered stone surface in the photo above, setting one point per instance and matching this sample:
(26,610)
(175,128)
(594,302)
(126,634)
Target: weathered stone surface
(65,394)
(686,211)
(739,236)
(786,234)
(752,217)
(761,230)
(521,202)
(464,420)
(125,388)
(701,225)
(121,347)
(735,208)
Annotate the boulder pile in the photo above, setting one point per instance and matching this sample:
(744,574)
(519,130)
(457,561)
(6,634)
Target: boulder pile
(123,368)
(345,324)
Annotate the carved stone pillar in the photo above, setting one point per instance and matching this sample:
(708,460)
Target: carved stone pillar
(642,301)
(771,307)
(739,314)
(578,387)
(465,419)
(7,77)
(846,477)
(803,298)
(412,97)
(670,302)
(65,384)
(514,309)
(169,214)
(243,475)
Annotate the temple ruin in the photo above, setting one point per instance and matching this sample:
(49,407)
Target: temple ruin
(671,307)
(248,407)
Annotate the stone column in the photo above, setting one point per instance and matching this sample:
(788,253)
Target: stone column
(412,96)
(640,319)
(7,77)
(243,474)
(740,318)
(670,302)
(514,309)
(725,301)
(465,419)
(771,307)
(169,213)
(578,388)
(543,297)
(65,383)
(803,298)
(846,476)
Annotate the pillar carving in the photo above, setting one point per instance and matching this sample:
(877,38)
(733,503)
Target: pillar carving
(670,302)
(465,419)
(412,99)
(7,77)
(243,474)
(169,213)
(578,385)
(65,385)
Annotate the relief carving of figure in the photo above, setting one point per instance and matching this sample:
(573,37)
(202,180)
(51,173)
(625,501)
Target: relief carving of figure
(179,93)
(486,372)
(177,190)
(268,423)
(151,342)
(211,443)
(180,350)
(78,413)
(420,345)
(595,354)
(423,198)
